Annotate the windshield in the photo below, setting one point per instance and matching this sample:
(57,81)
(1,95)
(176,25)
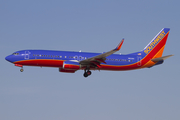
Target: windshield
(15,53)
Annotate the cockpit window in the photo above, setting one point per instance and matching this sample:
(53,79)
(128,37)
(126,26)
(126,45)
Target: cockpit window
(15,53)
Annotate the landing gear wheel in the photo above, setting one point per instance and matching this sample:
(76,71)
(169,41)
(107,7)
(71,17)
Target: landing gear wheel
(85,74)
(21,69)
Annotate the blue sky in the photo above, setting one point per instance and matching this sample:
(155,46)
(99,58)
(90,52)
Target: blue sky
(89,26)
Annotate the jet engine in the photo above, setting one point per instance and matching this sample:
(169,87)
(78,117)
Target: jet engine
(70,67)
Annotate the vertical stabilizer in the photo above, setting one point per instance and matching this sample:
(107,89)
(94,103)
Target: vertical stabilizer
(156,47)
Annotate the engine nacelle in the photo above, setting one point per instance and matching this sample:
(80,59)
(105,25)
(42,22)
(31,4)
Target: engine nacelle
(66,71)
(70,65)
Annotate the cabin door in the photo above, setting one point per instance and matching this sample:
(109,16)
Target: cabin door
(26,55)
(139,61)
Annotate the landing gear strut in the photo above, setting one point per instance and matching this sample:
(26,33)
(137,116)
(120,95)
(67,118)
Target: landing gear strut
(87,73)
(18,65)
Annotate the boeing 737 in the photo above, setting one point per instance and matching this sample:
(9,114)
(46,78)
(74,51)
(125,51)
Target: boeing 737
(70,62)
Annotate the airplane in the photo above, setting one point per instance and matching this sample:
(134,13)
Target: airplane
(70,62)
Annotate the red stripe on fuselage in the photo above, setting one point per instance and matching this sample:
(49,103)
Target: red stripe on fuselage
(41,62)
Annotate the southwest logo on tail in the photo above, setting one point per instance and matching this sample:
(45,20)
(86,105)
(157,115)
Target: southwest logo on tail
(155,41)
(70,62)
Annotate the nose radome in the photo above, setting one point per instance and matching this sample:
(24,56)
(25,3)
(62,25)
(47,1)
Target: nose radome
(8,58)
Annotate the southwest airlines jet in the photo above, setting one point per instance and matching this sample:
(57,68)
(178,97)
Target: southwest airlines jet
(70,62)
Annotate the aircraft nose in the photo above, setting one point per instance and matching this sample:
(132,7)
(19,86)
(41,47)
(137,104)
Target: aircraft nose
(8,58)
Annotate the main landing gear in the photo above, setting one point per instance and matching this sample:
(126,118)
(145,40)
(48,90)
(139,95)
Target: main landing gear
(87,73)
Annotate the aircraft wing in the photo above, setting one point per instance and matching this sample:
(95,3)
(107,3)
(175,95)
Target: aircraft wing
(96,60)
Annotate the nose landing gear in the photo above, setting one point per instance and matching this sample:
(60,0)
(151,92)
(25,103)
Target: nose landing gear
(18,65)
(21,69)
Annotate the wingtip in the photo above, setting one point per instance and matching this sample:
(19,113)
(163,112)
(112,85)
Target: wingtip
(122,40)
(119,45)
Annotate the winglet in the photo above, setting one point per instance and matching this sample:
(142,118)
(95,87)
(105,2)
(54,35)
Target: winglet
(119,45)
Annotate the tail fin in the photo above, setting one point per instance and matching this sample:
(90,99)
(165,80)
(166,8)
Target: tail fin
(156,47)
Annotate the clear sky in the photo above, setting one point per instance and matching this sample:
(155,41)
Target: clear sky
(89,26)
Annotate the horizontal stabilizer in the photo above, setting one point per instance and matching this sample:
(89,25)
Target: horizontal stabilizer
(161,58)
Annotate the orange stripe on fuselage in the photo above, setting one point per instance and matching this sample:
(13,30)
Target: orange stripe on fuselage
(151,63)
